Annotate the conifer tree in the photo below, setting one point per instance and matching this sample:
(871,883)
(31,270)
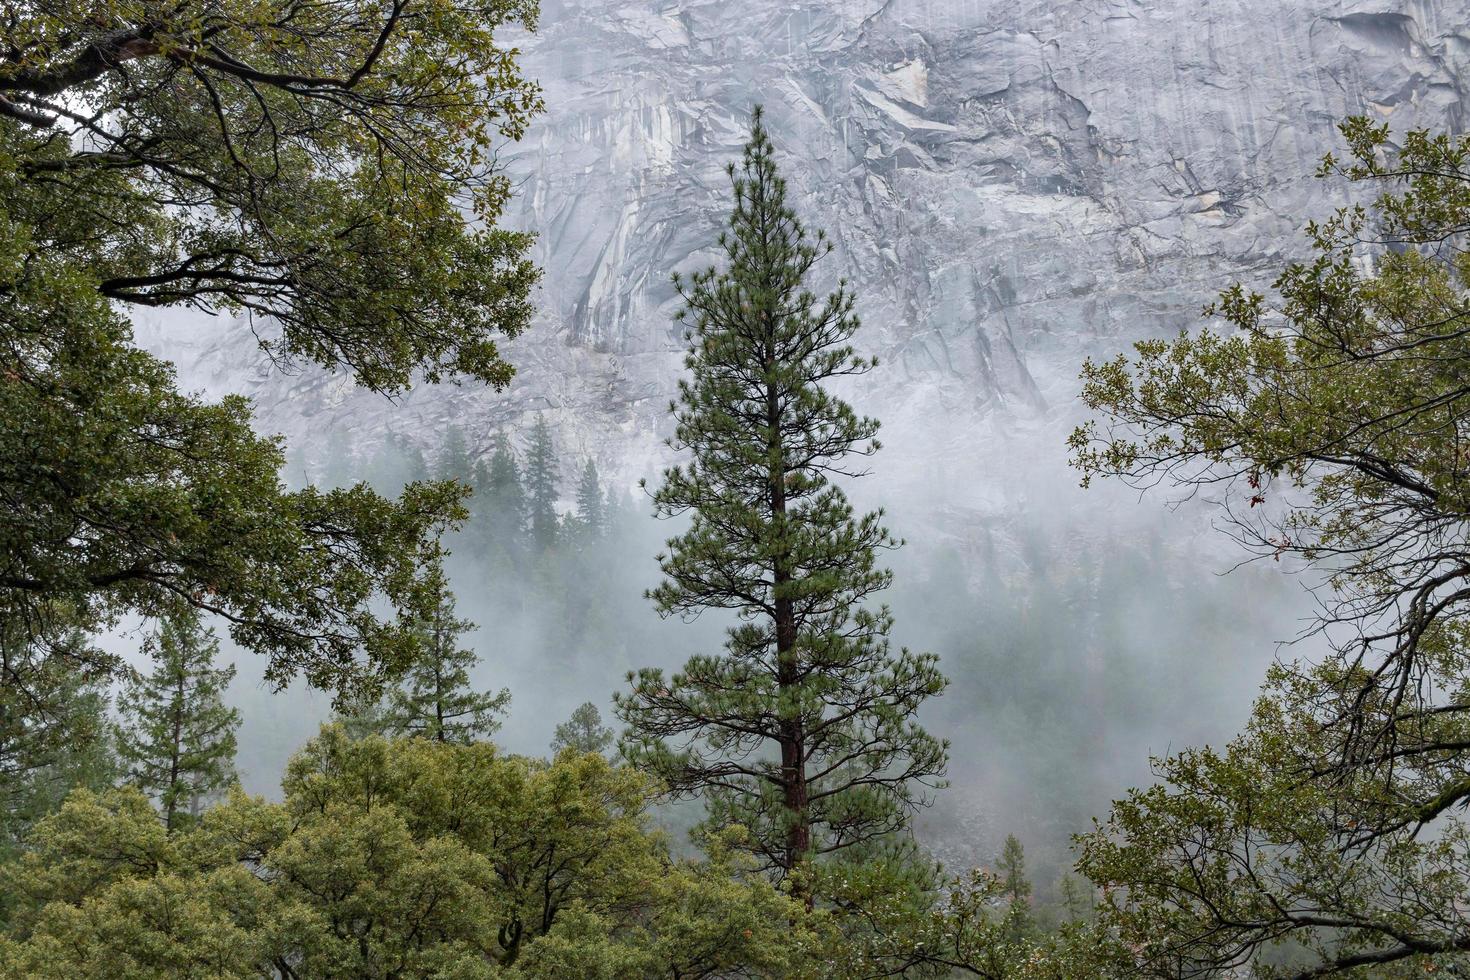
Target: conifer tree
(582,732)
(454,461)
(177,737)
(502,496)
(398,462)
(591,506)
(804,730)
(541,484)
(54,732)
(1015,889)
(1012,865)
(434,698)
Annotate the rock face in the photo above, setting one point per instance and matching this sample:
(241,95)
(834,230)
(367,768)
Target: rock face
(1011,185)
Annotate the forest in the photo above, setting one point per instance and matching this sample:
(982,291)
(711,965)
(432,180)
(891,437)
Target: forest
(253,721)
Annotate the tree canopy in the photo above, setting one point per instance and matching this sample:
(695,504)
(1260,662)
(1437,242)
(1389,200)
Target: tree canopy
(328,166)
(804,731)
(391,858)
(1329,424)
(325,170)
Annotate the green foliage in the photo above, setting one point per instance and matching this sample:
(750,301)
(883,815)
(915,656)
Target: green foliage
(542,477)
(916,923)
(1015,889)
(582,732)
(127,496)
(434,699)
(390,859)
(591,506)
(54,733)
(177,737)
(311,172)
(804,730)
(1331,423)
(310,168)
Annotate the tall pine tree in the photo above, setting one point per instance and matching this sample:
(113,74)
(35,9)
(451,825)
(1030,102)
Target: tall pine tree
(1015,889)
(455,461)
(541,484)
(434,699)
(591,505)
(804,730)
(177,737)
(499,503)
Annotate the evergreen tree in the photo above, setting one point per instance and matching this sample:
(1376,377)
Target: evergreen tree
(1015,889)
(398,462)
(803,731)
(455,461)
(591,505)
(582,732)
(53,721)
(339,468)
(177,737)
(1012,866)
(500,497)
(434,699)
(541,484)
(1076,905)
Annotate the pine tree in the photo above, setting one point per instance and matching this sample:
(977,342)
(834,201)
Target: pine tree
(54,732)
(1015,889)
(454,461)
(582,732)
(1012,865)
(338,468)
(398,462)
(434,698)
(591,505)
(541,484)
(500,496)
(177,737)
(803,731)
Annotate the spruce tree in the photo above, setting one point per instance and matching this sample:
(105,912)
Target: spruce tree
(804,730)
(177,737)
(434,698)
(541,484)
(582,732)
(591,506)
(455,461)
(1015,889)
(500,495)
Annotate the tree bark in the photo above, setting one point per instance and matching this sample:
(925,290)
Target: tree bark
(791,736)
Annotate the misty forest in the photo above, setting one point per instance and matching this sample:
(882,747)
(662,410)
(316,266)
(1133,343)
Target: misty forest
(829,489)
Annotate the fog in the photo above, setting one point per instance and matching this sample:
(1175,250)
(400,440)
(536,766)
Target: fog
(1011,187)
(1083,631)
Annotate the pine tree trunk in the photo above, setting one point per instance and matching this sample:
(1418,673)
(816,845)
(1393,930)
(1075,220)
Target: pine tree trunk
(176,750)
(793,763)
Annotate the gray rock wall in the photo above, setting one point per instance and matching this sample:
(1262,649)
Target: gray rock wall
(1012,185)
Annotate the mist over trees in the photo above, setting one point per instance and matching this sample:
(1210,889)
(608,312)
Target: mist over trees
(1332,419)
(330,173)
(804,732)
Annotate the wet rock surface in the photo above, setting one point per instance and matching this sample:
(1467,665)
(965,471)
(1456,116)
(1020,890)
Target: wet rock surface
(1011,186)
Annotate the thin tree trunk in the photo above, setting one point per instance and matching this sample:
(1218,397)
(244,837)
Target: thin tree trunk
(176,749)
